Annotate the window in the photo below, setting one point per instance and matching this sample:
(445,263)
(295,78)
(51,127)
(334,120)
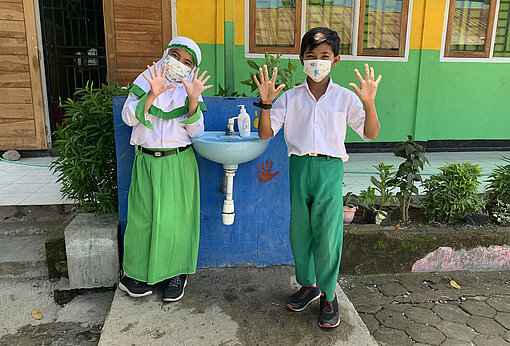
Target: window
(478,29)
(365,27)
(382,27)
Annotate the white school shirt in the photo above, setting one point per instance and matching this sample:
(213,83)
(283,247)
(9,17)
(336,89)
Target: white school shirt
(165,133)
(318,127)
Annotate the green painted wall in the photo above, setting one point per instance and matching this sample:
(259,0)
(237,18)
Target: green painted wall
(424,97)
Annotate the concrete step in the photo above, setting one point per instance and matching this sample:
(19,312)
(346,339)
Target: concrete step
(23,257)
(31,220)
(230,306)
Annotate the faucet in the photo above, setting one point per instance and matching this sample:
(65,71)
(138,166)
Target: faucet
(230,126)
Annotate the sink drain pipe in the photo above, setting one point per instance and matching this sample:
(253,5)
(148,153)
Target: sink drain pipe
(228,213)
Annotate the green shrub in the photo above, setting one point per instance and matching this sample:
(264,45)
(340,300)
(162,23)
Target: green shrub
(85,146)
(385,184)
(498,187)
(452,194)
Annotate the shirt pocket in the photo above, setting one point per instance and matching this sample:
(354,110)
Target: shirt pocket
(334,125)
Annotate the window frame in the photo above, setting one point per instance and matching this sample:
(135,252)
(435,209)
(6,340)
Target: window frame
(381,52)
(489,34)
(253,48)
(353,56)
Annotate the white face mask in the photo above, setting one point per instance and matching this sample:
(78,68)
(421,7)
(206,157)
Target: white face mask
(175,70)
(317,69)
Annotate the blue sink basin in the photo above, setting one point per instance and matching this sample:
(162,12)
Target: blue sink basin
(230,151)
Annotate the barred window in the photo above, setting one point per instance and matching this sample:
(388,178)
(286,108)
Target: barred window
(502,39)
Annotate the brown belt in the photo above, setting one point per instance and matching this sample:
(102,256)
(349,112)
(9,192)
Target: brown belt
(164,153)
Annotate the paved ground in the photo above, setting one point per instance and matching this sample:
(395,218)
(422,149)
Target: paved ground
(405,309)
(77,323)
(230,306)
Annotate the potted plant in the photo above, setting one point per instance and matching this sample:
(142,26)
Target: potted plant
(349,208)
(452,195)
(408,173)
(367,198)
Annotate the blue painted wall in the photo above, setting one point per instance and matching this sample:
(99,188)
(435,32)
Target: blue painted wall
(259,235)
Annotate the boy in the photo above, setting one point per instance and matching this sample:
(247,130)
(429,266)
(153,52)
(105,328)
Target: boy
(165,110)
(314,115)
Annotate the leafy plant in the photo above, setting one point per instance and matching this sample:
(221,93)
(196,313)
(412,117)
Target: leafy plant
(286,75)
(498,187)
(501,212)
(348,197)
(228,92)
(408,173)
(85,147)
(385,184)
(452,194)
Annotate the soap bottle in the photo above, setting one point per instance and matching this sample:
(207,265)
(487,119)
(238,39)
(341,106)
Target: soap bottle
(244,122)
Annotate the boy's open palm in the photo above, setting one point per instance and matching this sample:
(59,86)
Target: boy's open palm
(157,81)
(197,85)
(368,86)
(266,86)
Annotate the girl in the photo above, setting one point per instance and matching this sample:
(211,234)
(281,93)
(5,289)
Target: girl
(164,107)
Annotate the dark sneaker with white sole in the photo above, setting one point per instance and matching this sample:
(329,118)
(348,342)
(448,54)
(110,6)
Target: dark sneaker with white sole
(328,315)
(302,298)
(133,287)
(175,288)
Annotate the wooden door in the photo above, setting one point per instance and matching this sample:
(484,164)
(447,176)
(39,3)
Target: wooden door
(22,124)
(137,32)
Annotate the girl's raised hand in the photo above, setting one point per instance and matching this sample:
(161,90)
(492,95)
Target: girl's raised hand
(157,81)
(197,85)
(266,86)
(368,86)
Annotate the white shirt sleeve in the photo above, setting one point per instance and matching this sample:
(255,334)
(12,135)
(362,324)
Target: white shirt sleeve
(128,112)
(196,129)
(278,113)
(356,116)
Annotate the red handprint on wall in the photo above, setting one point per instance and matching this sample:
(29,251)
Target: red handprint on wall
(265,173)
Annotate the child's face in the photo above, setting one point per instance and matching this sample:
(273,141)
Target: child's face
(321,52)
(182,56)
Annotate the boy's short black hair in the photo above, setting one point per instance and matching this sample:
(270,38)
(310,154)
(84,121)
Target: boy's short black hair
(314,37)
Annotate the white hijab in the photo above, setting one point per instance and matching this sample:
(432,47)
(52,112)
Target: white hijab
(176,97)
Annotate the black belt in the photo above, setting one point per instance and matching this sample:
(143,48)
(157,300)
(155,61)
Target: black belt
(164,153)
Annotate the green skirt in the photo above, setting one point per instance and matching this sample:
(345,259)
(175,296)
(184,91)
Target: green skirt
(163,222)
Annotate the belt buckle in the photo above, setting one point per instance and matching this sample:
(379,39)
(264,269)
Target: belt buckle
(158,153)
(312,154)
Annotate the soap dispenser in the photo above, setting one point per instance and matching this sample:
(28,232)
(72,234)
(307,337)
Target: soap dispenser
(244,122)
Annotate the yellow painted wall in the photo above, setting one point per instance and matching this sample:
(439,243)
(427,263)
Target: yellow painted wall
(202,20)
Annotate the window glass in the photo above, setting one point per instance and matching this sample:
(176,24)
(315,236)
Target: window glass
(502,44)
(469,25)
(275,23)
(382,25)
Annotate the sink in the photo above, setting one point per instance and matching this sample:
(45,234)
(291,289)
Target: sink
(229,151)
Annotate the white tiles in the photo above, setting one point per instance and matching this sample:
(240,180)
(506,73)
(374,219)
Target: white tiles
(32,185)
(29,184)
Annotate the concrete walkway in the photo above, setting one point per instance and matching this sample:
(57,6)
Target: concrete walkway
(230,306)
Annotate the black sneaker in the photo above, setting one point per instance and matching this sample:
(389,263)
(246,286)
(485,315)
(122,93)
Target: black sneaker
(175,288)
(302,298)
(328,315)
(134,288)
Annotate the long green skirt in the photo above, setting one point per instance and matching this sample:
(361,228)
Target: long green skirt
(163,223)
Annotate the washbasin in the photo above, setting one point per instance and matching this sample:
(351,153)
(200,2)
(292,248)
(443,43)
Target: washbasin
(231,150)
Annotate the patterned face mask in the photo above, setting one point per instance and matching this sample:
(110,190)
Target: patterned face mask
(317,69)
(175,70)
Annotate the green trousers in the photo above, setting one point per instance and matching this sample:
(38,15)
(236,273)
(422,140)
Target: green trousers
(316,220)
(163,223)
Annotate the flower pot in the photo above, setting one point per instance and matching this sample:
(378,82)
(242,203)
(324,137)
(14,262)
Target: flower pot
(477,219)
(349,211)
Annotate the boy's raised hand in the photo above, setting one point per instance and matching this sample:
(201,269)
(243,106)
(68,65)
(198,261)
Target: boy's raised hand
(266,86)
(157,81)
(197,85)
(368,86)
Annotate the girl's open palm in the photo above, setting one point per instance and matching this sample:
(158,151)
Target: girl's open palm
(266,86)
(157,81)
(197,85)
(368,86)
